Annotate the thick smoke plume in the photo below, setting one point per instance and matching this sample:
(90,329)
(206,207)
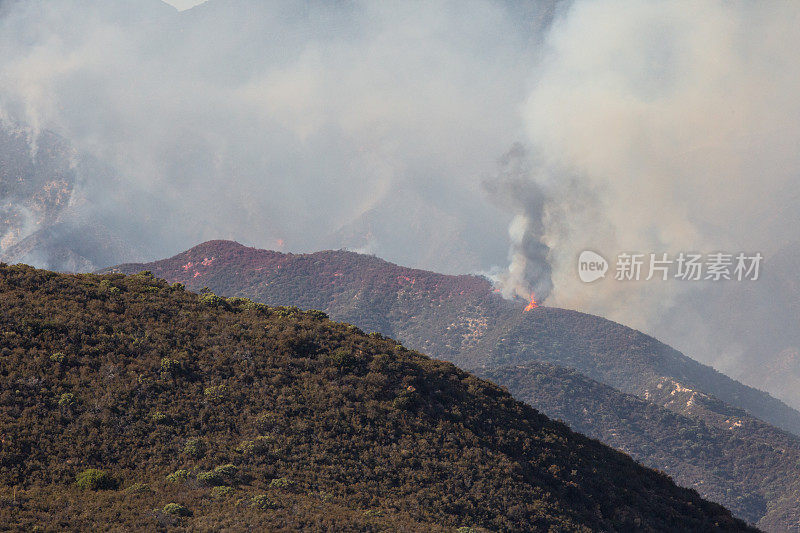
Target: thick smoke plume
(680,121)
(516,189)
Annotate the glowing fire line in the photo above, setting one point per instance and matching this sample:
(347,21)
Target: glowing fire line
(532,305)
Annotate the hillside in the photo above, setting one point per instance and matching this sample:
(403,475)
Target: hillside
(460,319)
(748,466)
(196,411)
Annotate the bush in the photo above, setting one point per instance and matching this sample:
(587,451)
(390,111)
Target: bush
(236,301)
(67,400)
(316,314)
(212,300)
(266,421)
(94,479)
(262,501)
(216,393)
(281,483)
(223,491)
(160,418)
(210,479)
(176,509)
(171,367)
(195,448)
(106,286)
(257,446)
(227,471)
(178,476)
(58,357)
(139,488)
(221,475)
(341,358)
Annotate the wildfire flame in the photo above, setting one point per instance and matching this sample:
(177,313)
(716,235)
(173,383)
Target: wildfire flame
(532,304)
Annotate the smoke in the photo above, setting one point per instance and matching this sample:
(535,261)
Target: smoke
(679,121)
(516,188)
(320,125)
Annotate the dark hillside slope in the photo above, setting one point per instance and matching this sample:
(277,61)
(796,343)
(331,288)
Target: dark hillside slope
(757,478)
(198,412)
(461,319)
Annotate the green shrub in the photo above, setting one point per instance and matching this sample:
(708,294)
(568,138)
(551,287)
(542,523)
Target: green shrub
(212,300)
(254,306)
(58,357)
(94,479)
(176,509)
(160,418)
(223,491)
(262,501)
(341,358)
(67,400)
(221,475)
(139,488)
(210,479)
(236,301)
(178,476)
(216,393)
(316,314)
(281,483)
(107,287)
(227,471)
(266,421)
(404,402)
(195,447)
(257,446)
(171,367)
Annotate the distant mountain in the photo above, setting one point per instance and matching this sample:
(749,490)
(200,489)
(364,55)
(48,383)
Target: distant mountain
(49,203)
(747,465)
(37,180)
(461,319)
(132,404)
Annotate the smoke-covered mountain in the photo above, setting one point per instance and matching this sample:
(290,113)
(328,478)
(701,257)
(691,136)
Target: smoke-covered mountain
(51,216)
(135,405)
(461,319)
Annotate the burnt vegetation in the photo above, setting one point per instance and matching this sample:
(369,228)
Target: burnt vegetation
(131,403)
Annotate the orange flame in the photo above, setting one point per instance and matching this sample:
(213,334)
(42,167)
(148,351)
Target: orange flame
(532,304)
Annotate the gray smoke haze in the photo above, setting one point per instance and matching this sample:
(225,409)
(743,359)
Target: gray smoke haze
(681,119)
(651,127)
(282,125)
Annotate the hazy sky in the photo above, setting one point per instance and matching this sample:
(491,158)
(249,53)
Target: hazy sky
(184,4)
